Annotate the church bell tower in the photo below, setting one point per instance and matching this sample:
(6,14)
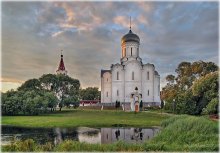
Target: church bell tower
(61,69)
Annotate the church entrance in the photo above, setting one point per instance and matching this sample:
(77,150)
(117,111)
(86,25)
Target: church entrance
(135,100)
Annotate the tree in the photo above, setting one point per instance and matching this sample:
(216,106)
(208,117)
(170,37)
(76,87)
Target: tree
(212,107)
(52,100)
(185,103)
(193,89)
(90,93)
(11,103)
(206,89)
(62,86)
(170,79)
(71,101)
(32,84)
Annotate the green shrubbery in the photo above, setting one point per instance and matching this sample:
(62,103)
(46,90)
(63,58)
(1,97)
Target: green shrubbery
(179,133)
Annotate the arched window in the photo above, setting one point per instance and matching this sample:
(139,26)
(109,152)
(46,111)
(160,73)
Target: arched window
(117,93)
(148,76)
(131,51)
(107,94)
(132,75)
(117,75)
(148,92)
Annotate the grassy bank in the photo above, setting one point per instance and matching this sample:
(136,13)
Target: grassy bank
(179,133)
(188,133)
(88,118)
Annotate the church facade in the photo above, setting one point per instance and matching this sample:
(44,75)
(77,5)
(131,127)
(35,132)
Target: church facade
(122,79)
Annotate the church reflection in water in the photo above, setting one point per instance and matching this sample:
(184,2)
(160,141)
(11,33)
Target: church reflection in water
(109,135)
(130,135)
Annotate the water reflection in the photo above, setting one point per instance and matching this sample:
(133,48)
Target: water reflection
(130,135)
(81,134)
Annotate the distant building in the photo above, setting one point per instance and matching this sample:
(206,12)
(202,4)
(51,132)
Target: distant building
(89,102)
(61,68)
(120,81)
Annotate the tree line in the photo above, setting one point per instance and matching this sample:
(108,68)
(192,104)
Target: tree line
(194,89)
(41,95)
(45,94)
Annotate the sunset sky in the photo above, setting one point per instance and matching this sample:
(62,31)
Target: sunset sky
(33,33)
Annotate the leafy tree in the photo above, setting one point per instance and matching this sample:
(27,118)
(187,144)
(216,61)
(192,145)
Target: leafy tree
(11,104)
(193,89)
(29,102)
(206,89)
(62,86)
(185,103)
(71,101)
(170,79)
(32,84)
(90,93)
(212,107)
(52,100)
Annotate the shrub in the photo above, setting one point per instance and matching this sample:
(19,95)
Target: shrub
(212,107)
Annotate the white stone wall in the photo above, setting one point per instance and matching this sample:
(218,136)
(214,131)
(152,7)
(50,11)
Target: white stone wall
(157,89)
(148,83)
(117,83)
(106,88)
(130,84)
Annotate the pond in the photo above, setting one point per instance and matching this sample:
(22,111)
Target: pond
(81,134)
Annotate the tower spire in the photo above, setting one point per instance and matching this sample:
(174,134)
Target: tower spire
(130,22)
(61,68)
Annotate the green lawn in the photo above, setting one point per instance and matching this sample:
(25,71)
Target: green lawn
(88,118)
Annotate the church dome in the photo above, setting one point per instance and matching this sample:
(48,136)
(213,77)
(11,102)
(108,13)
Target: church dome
(130,36)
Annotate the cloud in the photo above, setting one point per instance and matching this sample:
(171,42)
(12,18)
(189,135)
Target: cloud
(57,33)
(121,20)
(12,80)
(142,19)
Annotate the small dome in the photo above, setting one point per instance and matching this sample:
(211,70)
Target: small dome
(130,36)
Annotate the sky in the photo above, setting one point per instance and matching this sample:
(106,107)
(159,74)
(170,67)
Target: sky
(89,33)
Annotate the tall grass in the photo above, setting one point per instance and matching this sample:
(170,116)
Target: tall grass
(188,133)
(179,133)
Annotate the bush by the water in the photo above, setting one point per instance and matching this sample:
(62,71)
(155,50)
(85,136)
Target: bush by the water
(178,133)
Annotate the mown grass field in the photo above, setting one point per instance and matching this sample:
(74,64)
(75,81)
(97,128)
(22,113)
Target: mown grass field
(179,133)
(88,118)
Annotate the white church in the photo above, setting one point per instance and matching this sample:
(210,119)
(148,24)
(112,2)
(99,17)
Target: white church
(130,81)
